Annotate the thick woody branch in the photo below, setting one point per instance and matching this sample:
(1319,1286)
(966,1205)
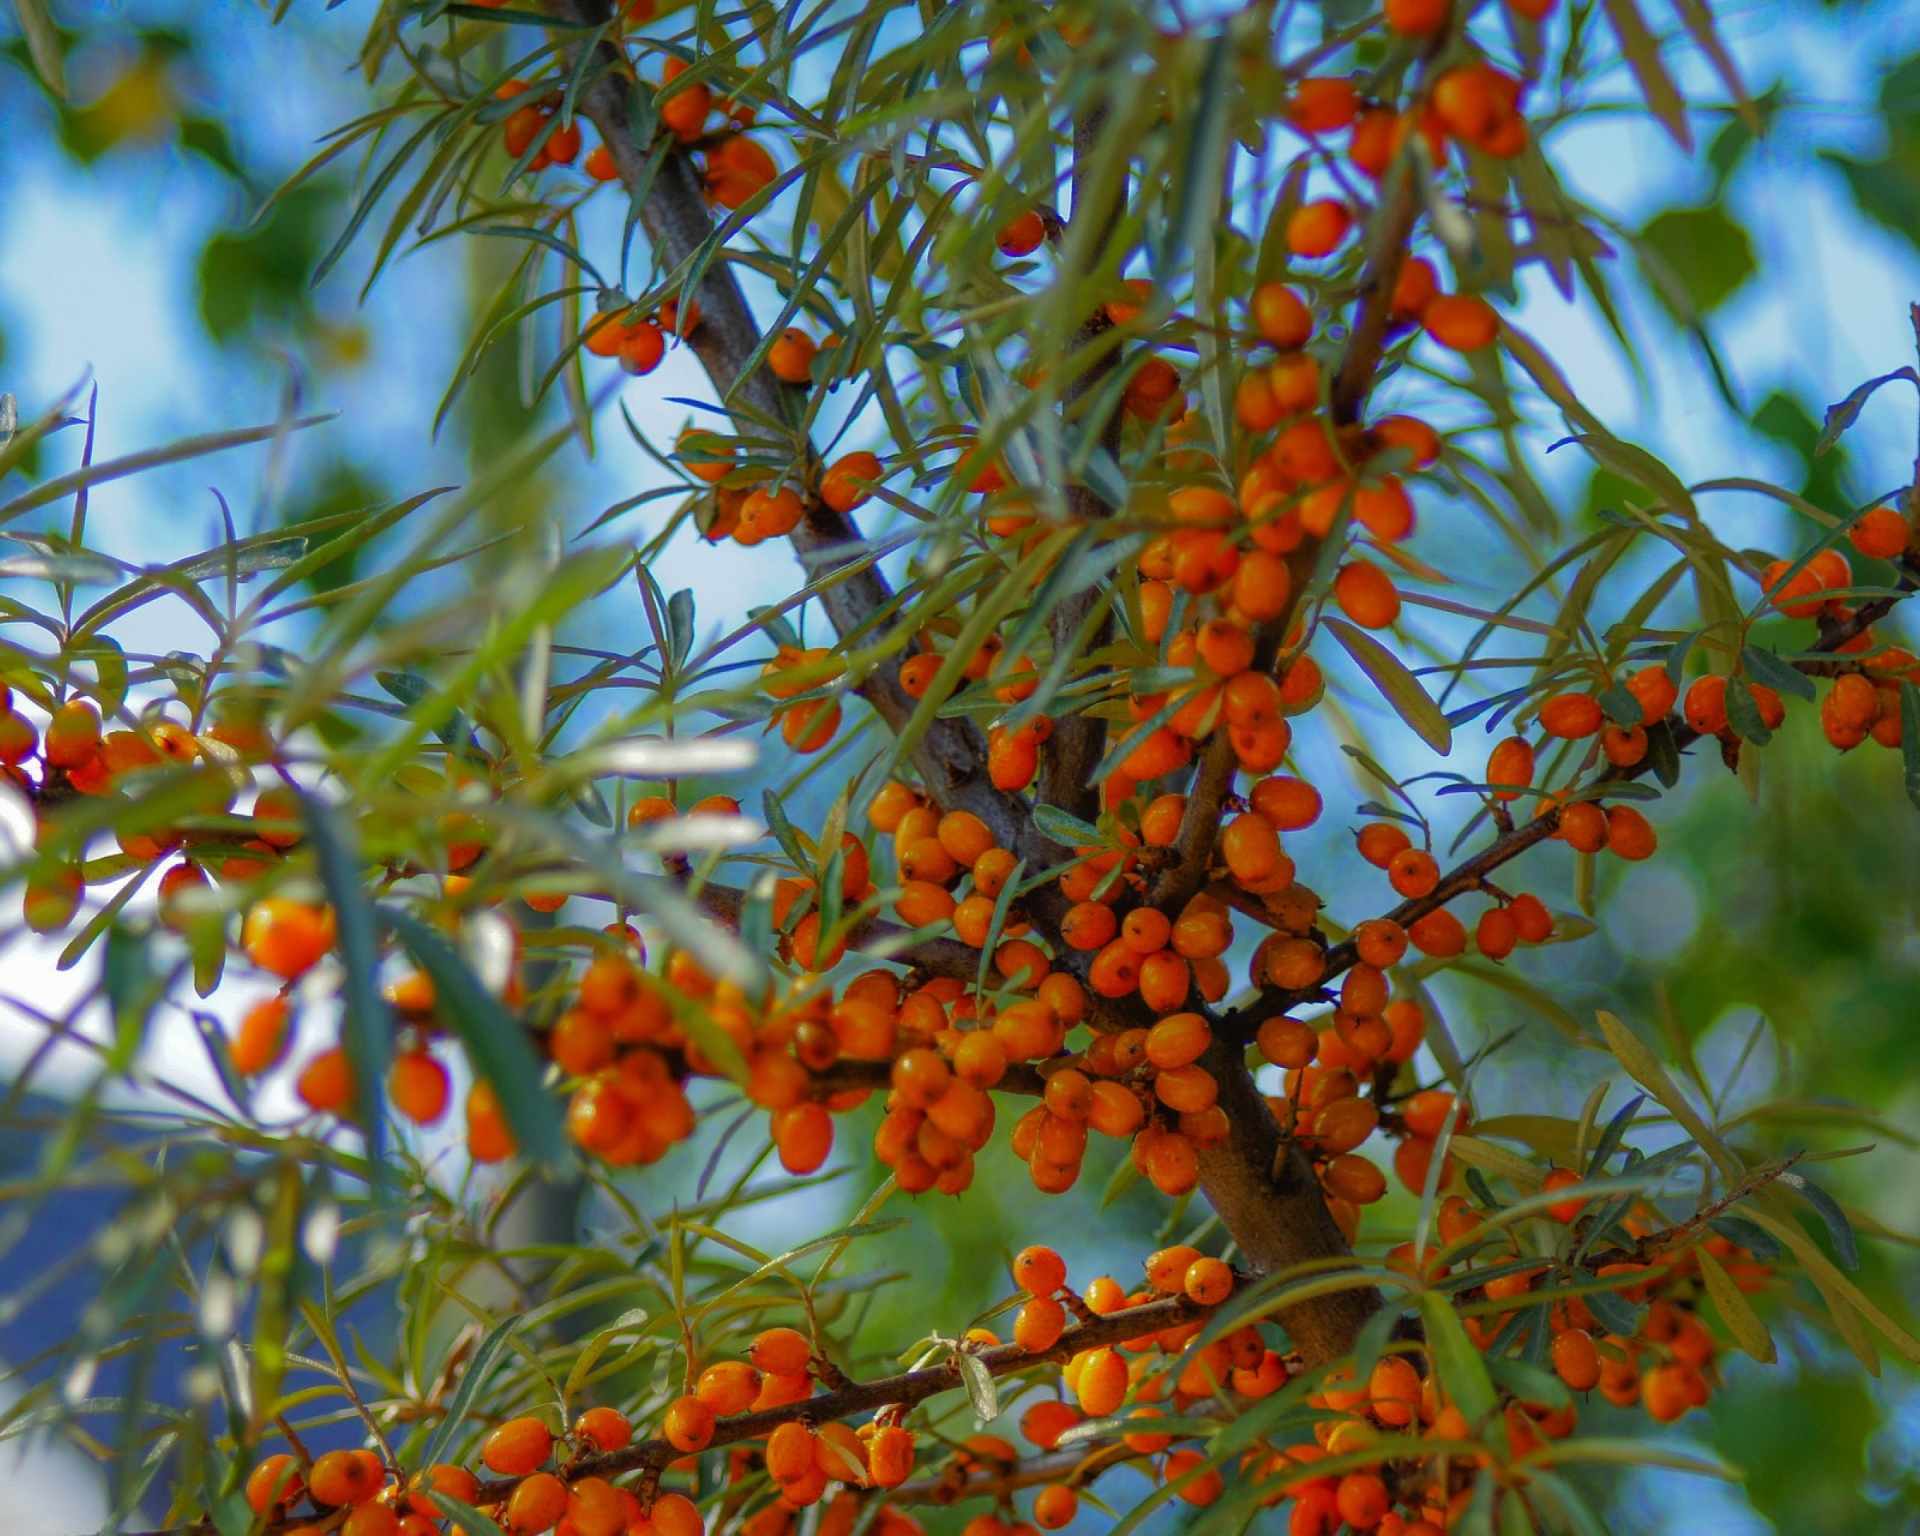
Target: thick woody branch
(1267,1195)
(950,757)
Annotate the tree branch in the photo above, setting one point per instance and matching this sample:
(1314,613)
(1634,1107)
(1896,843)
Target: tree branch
(950,756)
(1470,874)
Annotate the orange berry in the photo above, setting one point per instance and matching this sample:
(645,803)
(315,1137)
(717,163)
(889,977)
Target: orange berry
(419,1086)
(1322,104)
(688,1425)
(1571,716)
(345,1477)
(1316,229)
(1366,594)
(1461,322)
(1209,1281)
(1022,235)
(274,1481)
(1039,1270)
(536,1505)
(285,937)
(1881,534)
(606,1429)
(790,357)
(517,1447)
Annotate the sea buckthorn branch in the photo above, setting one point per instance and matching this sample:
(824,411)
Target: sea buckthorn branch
(898,1391)
(672,208)
(1471,874)
(1390,240)
(1262,1186)
(651,1457)
(935,956)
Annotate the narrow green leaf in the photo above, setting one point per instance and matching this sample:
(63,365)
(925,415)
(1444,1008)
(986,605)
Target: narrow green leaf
(368,1029)
(1847,412)
(43,45)
(1734,1308)
(979,1384)
(1642,52)
(1461,1367)
(495,1040)
(1645,1069)
(1397,685)
(1910,739)
(473,1381)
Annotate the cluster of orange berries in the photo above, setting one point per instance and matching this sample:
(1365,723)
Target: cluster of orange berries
(352,1493)
(803,1460)
(1140,1378)
(74,755)
(772,507)
(1860,705)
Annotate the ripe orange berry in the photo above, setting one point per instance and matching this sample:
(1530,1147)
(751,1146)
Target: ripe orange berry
(1461,322)
(72,735)
(1316,229)
(536,1505)
(1417,18)
(641,349)
(274,1481)
(261,1039)
(688,1425)
(674,1514)
(1023,234)
(1629,834)
(1039,1323)
(371,1520)
(1497,933)
(1039,1270)
(1881,534)
(1055,1506)
(1413,872)
(1208,1281)
(1510,767)
(517,1447)
(1380,841)
(1426,1111)
(1655,691)
(1101,1384)
(1281,316)
(1393,1391)
(889,1457)
(325,1084)
(1322,104)
(1571,716)
(848,480)
(791,356)
(1576,1360)
(286,937)
(1362,1500)
(418,1086)
(345,1477)
(803,1136)
(607,1429)
(1250,847)
(1366,594)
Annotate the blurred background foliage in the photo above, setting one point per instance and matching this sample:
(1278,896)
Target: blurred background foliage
(1755,284)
